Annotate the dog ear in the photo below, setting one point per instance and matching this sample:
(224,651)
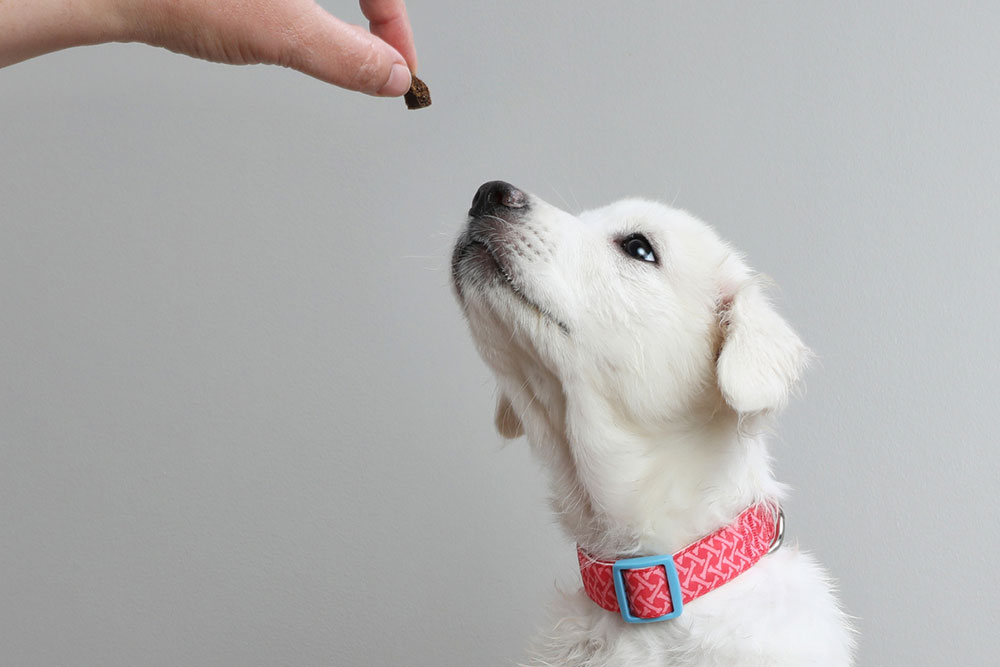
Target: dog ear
(761,357)
(507,422)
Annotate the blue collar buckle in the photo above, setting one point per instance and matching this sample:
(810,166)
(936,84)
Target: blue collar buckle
(673,585)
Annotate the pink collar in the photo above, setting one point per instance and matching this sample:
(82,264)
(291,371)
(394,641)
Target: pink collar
(656,588)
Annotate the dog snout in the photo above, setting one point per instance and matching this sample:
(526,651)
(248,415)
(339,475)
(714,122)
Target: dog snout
(498,198)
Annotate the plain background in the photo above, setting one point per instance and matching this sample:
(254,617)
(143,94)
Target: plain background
(242,421)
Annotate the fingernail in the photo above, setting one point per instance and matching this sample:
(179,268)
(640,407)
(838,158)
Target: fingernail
(398,83)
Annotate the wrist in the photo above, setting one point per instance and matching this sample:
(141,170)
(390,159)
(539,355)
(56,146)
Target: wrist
(30,28)
(118,20)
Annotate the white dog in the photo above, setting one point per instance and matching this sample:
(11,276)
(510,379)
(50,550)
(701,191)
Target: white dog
(641,357)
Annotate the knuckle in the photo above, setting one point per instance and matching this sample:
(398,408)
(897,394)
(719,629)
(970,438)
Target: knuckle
(369,72)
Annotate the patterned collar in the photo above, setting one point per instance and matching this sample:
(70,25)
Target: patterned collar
(656,588)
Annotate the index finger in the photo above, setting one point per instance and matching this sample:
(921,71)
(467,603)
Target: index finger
(387,20)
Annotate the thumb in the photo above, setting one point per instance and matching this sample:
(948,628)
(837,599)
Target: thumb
(347,56)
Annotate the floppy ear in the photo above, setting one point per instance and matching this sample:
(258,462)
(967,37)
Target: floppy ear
(506,420)
(761,357)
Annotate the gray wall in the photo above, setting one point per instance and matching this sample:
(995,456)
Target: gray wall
(241,422)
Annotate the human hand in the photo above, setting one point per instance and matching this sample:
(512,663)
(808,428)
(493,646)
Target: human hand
(293,33)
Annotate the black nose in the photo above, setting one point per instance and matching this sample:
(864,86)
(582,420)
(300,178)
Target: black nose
(497,195)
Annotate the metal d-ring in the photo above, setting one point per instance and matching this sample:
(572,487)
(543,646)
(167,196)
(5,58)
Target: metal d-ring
(779,533)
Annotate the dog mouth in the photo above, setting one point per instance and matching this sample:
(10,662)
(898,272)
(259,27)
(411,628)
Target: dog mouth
(486,261)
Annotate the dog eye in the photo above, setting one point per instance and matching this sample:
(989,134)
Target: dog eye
(637,246)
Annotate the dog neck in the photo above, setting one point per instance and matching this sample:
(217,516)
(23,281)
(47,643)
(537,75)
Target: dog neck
(634,491)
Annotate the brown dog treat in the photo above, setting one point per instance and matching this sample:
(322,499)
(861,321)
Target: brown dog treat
(418,96)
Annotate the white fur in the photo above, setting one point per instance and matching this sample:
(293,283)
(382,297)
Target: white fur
(645,390)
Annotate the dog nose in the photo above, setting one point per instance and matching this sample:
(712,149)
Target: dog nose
(497,195)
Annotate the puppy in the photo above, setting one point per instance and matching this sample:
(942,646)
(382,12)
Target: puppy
(640,356)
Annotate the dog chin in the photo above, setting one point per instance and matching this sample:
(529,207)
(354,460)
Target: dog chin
(480,275)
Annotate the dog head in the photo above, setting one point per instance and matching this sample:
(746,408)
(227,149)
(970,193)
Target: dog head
(611,330)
